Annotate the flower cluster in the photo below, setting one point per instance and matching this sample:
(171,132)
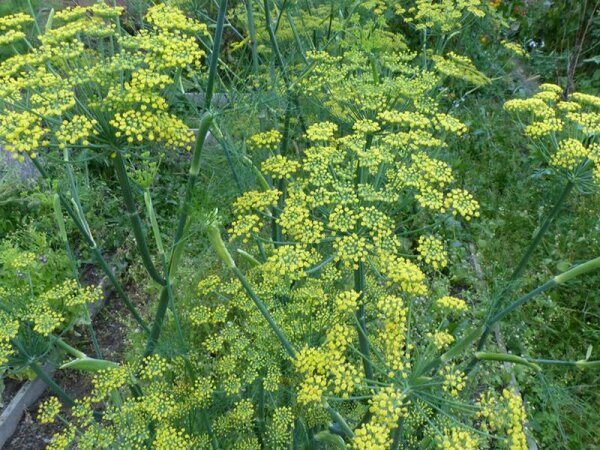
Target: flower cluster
(70,91)
(451,304)
(504,413)
(431,250)
(268,140)
(569,125)
(48,410)
(36,303)
(459,66)
(444,16)
(514,48)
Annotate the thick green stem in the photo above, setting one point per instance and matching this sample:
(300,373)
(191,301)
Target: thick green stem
(518,272)
(42,375)
(581,269)
(340,420)
(134,218)
(252,34)
(275,45)
(263,310)
(363,341)
(214,57)
(505,357)
(179,238)
(96,251)
(214,236)
(70,350)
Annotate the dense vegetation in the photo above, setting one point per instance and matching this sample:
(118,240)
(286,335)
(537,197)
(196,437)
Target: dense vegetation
(323,224)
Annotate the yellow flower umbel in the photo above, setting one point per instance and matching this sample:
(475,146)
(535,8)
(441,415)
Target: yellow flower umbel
(48,410)
(569,126)
(431,250)
(456,438)
(70,91)
(268,139)
(506,414)
(450,304)
(444,16)
(461,67)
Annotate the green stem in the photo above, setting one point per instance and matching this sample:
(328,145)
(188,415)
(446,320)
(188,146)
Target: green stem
(504,357)
(252,33)
(52,385)
(134,218)
(576,271)
(275,45)
(534,363)
(161,310)
(213,439)
(171,297)
(263,309)
(363,342)
(214,236)
(262,181)
(119,288)
(42,375)
(70,350)
(261,405)
(541,232)
(89,241)
(518,272)
(524,299)
(340,420)
(154,224)
(186,206)
(397,435)
(581,364)
(32,11)
(179,238)
(452,352)
(63,232)
(359,286)
(282,185)
(214,57)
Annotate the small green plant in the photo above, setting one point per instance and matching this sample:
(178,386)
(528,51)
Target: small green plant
(38,306)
